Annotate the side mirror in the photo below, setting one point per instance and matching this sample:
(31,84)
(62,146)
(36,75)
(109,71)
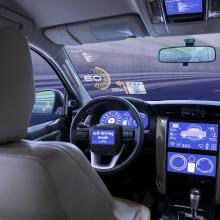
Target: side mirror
(49,102)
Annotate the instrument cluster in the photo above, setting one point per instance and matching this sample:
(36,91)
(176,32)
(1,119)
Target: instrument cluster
(123,118)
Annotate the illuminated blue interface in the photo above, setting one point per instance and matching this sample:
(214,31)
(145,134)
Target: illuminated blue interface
(103,137)
(191,164)
(122,118)
(176,7)
(197,136)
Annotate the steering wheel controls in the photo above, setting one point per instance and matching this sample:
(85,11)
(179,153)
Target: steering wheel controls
(82,134)
(128,135)
(107,141)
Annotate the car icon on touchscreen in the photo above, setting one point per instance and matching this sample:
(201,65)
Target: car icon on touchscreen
(193,132)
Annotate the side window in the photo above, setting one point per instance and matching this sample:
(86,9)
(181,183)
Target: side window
(49,92)
(44,76)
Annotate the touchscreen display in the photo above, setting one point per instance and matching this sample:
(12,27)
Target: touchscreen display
(103,137)
(181,7)
(191,164)
(197,136)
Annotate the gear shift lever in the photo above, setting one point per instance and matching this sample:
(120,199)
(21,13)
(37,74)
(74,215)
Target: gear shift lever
(195,196)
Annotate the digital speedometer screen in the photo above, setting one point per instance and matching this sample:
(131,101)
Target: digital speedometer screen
(196,164)
(103,137)
(197,136)
(177,7)
(122,118)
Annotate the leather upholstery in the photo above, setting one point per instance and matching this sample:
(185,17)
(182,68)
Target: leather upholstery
(54,181)
(50,181)
(44,180)
(128,210)
(16,85)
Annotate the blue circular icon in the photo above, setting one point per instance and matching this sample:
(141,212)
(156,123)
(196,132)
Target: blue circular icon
(191,159)
(204,165)
(178,162)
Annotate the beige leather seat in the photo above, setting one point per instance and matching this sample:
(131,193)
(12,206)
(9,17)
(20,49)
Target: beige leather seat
(44,180)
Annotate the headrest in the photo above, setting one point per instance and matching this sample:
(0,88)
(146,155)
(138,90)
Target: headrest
(16,85)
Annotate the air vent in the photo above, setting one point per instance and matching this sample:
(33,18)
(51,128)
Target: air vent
(210,113)
(213,112)
(155,11)
(169,111)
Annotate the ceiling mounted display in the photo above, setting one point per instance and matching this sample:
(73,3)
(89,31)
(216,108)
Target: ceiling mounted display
(184,10)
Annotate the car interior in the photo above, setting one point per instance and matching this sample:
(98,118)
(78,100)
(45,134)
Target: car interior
(110,110)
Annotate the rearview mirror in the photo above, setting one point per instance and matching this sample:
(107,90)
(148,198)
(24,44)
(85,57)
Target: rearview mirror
(187,55)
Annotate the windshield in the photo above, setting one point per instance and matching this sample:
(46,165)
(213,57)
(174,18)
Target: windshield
(131,68)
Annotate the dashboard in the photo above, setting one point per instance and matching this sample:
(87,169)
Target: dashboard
(182,137)
(123,118)
(191,137)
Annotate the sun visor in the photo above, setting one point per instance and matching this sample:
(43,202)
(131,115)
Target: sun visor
(9,18)
(99,30)
(60,35)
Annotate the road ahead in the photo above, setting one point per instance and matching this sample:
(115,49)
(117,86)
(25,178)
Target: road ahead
(168,86)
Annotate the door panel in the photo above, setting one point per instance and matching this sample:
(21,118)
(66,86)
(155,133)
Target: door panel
(49,131)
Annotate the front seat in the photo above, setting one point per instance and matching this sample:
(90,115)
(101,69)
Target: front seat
(44,180)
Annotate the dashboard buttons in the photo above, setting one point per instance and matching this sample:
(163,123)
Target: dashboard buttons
(82,134)
(196,164)
(128,135)
(204,165)
(178,162)
(192,159)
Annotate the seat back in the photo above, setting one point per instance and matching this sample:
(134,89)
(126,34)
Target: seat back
(39,180)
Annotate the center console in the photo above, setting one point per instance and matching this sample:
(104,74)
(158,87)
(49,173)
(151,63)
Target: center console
(187,162)
(192,148)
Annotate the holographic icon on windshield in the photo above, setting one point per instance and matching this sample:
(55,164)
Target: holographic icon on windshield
(198,136)
(99,77)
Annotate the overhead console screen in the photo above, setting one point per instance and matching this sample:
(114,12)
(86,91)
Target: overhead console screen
(183,7)
(196,136)
(195,164)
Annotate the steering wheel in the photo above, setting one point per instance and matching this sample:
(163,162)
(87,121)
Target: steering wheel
(107,142)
